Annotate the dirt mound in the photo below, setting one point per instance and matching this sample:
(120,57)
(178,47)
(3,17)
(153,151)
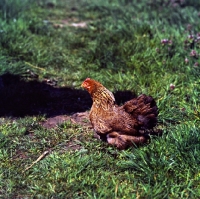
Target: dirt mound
(77,118)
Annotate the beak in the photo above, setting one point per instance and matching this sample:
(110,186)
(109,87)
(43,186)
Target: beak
(82,85)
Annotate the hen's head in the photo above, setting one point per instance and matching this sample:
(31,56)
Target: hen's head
(91,85)
(97,90)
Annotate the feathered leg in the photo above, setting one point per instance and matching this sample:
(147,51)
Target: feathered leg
(124,141)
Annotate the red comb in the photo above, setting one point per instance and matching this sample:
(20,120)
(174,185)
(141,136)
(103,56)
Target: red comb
(87,79)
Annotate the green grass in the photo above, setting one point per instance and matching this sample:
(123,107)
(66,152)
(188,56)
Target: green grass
(124,46)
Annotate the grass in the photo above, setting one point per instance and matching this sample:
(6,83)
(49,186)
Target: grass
(132,47)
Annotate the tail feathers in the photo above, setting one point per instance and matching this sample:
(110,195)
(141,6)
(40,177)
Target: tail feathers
(144,109)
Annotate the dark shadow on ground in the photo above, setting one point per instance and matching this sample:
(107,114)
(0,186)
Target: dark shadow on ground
(19,98)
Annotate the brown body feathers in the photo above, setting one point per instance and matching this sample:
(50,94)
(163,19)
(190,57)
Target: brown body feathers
(121,126)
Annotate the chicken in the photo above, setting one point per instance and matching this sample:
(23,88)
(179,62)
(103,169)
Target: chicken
(121,126)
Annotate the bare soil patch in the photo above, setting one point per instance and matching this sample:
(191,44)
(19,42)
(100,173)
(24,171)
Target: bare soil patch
(77,118)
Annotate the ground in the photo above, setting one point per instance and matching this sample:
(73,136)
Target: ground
(48,48)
